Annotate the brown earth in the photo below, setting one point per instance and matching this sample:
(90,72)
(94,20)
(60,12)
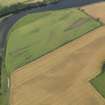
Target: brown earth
(62,77)
(96,10)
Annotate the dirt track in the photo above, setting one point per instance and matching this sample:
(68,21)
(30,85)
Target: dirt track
(62,77)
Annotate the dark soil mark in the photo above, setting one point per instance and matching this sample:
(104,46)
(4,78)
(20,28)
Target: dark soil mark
(77,24)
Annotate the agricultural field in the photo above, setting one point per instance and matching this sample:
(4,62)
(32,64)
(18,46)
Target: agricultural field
(11,2)
(99,83)
(53,57)
(97,11)
(68,75)
(62,76)
(26,46)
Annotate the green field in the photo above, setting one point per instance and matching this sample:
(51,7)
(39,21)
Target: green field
(10,6)
(39,33)
(99,83)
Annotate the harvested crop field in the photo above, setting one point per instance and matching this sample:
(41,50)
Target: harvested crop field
(96,10)
(62,77)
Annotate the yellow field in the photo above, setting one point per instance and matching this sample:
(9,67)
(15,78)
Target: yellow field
(62,77)
(10,2)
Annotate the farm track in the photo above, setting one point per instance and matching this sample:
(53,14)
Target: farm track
(62,77)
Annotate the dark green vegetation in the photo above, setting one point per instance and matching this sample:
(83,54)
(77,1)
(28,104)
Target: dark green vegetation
(13,6)
(39,33)
(99,82)
(4,90)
